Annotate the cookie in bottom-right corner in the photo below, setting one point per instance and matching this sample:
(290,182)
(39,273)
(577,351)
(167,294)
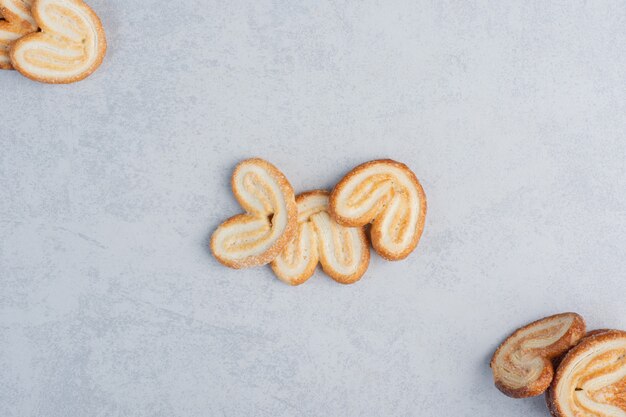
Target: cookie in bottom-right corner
(591,379)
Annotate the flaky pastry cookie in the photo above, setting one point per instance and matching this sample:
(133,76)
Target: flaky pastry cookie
(387,194)
(70,46)
(270,222)
(591,379)
(16,22)
(342,251)
(522,365)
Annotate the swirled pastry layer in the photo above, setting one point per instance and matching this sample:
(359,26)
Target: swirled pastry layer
(16,22)
(387,194)
(70,46)
(591,379)
(257,237)
(522,365)
(342,251)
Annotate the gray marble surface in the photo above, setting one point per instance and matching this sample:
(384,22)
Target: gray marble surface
(512,114)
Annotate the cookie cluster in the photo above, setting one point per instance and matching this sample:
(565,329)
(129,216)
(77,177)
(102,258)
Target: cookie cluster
(51,41)
(590,376)
(295,233)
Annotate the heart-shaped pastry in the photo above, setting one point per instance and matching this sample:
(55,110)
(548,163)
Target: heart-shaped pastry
(70,46)
(591,379)
(522,365)
(16,21)
(387,194)
(257,237)
(342,251)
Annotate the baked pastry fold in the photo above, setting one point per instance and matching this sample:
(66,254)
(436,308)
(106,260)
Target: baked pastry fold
(591,379)
(342,251)
(70,46)
(522,365)
(388,195)
(256,237)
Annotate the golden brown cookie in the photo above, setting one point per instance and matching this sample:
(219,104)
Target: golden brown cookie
(70,46)
(387,194)
(591,379)
(16,21)
(342,251)
(522,365)
(269,224)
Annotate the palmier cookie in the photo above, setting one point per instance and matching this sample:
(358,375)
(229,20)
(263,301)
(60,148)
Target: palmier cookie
(270,222)
(387,194)
(70,46)
(16,22)
(591,379)
(522,365)
(342,251)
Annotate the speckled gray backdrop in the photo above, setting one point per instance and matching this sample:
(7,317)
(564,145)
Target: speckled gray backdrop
(512,114)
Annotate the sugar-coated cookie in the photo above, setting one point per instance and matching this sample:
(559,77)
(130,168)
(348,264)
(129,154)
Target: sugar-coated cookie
(522,365)
(16,22)
(342,251)
(387,194)
(591,379)
(70,46)
(269,224)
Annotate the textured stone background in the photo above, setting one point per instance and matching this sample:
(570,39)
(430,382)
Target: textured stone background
(513,115)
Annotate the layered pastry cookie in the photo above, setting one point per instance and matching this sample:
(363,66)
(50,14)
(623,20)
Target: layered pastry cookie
(269,224)
(522,365)
(70,46)
(591,379)
(388,195)
(342,251)
(16,21)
